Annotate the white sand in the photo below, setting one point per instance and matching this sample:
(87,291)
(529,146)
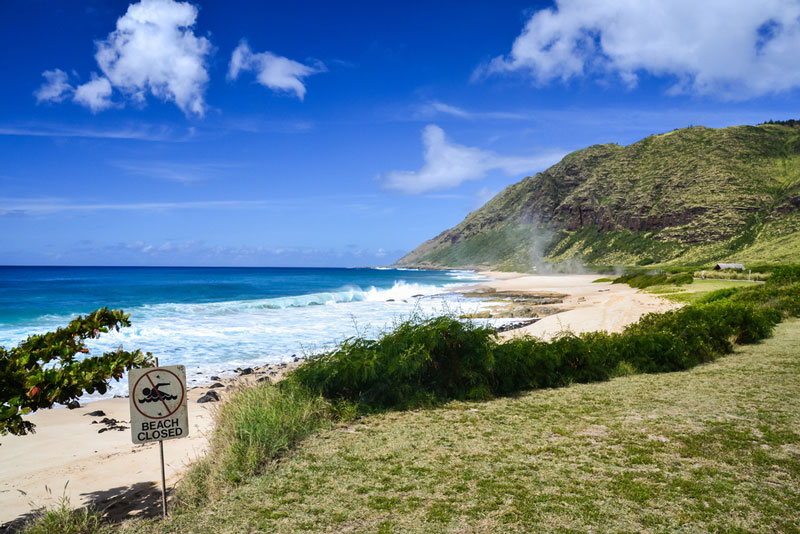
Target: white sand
(588,307)
(67,448)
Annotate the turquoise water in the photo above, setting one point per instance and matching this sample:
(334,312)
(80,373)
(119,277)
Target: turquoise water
(216,319)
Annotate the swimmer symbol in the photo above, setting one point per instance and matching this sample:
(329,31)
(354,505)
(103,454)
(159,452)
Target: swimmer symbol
(155,394)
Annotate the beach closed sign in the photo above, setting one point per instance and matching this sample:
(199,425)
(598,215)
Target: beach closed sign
(158,403)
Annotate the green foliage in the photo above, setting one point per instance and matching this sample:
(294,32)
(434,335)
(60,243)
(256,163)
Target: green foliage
(62,519)
(425,361)
(784,299)
(259,423)
(256,425)
(43,370)
(719,294)
(784,274)
(681,279)
(418,363)
(644,280)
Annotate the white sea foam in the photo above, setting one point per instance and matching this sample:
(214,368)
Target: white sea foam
(215,338)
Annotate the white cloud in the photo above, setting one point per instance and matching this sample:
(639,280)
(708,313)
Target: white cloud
(448,165)
(717,47)
(154,50)
(275,72)
(145,132)
(44,206)
(182,172)
(436,108)
(95,95)
(447,109)
(55,88)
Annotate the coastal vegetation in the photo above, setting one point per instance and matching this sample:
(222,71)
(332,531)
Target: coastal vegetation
(687,197)
(272,455)
(45,369)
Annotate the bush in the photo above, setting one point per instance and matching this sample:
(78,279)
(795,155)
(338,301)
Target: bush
(719,294)
(784,275)
(641,280)
(45,369)
(644,280)
(418,363)
(681,279)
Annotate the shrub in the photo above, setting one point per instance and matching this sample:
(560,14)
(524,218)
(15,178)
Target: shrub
(784,275)
(681,279)
(418,363)
(719,294)
(44,369)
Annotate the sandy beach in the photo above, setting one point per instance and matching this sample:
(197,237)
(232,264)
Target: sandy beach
(588,306)
(70,456)
(108,471)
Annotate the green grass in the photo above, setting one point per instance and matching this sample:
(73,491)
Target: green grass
(62,519)
(692,293)
(713,449)
(252,428)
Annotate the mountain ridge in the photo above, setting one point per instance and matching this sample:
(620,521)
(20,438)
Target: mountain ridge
(690,196)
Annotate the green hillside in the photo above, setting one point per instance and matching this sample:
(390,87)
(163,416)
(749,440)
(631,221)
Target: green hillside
(690,196)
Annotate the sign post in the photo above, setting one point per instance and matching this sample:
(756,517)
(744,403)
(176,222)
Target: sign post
(158,409)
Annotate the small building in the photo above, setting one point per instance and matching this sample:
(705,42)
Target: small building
(721,266)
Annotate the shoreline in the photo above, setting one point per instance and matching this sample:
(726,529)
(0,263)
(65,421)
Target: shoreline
(70,455)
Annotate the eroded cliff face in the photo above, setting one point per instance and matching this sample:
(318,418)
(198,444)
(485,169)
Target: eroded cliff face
(688,188)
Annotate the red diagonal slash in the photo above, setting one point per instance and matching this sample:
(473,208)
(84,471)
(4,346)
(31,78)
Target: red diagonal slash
(157,392)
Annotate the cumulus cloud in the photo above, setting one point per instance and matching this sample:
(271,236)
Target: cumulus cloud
(275,72)
(733,50)
(55,88)
(95,95)
(448,165)
(153,51)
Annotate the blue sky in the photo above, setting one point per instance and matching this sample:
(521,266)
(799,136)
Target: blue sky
(340,134)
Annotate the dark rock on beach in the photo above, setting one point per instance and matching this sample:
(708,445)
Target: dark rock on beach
(96,413)
(210,396)
(216,385)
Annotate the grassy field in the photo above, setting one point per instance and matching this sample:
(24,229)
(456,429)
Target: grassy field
(713,449)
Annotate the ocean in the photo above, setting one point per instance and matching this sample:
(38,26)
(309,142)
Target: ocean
(214,320)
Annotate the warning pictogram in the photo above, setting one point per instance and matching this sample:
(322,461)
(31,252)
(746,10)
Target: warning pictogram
(158,403)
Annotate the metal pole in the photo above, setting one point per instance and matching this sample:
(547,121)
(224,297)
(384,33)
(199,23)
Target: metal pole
(163,475)
(163,481)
